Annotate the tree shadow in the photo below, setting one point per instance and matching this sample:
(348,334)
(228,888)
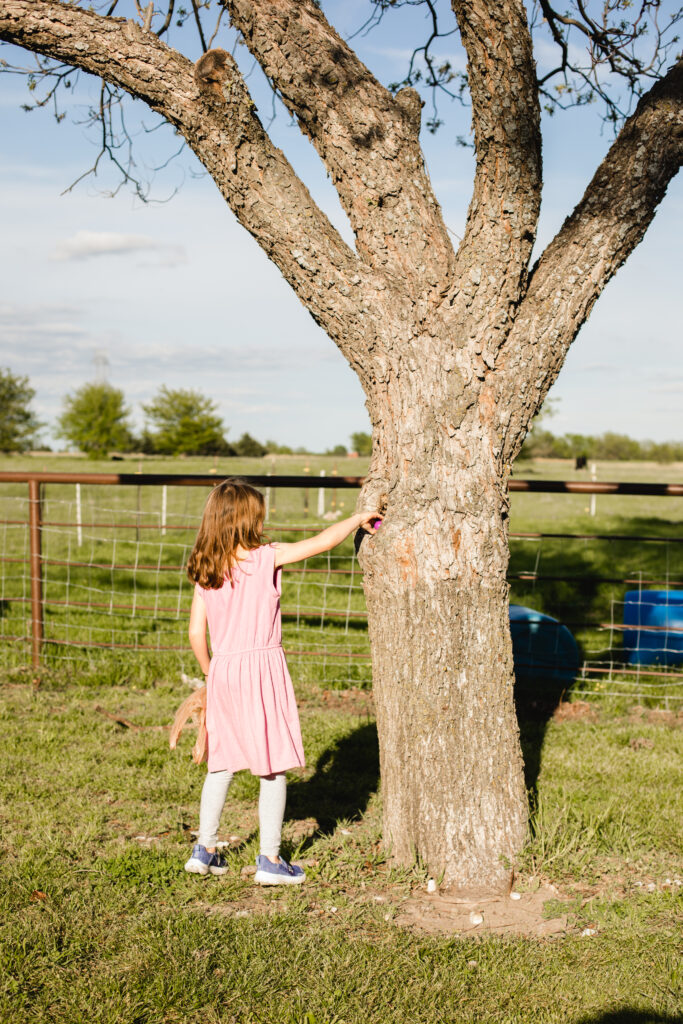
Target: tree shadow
(345,776)
(628,1015)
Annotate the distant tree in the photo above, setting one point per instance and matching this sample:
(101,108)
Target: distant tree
(339,449)
(273,448)
(184,422)
(617,446)
(361,443)
(96,420)
(18,425)
(249,448)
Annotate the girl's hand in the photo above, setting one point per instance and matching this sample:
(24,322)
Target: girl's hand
(366,519)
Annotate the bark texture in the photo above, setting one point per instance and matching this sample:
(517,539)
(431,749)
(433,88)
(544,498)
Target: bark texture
(455,350)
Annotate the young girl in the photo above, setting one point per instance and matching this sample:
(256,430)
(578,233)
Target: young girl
(251,715)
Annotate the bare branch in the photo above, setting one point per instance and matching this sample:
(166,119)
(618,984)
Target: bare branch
(367,138)
(625,45)
(592,244)
(199,26)
(221,126)
(167,20)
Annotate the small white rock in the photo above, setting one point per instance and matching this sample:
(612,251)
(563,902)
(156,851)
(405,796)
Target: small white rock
(589,931)
(472,963)
(387,917)
(667,881)
(333,910)
(651,886)
(221,844)
(379,899)
(431,885)
(345,831)
(515,895)
(476,918)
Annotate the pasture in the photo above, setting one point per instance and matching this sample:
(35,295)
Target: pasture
(99,921)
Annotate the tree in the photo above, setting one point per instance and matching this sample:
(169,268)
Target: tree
(273,448)
(456,349)
(185,422)
(96,420)
(18,425)
(361,443)
(249,448)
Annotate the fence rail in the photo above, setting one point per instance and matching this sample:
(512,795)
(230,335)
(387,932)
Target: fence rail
(43,562)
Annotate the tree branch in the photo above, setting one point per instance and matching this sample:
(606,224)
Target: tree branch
(220,124)
(606,226)
(493,256)
(368,139)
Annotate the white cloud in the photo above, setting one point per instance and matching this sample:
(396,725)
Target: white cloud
(86,245)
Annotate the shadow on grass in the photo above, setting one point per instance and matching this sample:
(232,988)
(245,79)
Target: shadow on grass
(345,777)
(626,1015)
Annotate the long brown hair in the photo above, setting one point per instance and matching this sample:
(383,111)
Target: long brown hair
(233,517)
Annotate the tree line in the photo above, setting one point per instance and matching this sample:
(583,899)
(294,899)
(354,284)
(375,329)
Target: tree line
(97,420)
(543,444)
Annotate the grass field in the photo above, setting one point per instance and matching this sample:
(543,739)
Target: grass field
(98,921)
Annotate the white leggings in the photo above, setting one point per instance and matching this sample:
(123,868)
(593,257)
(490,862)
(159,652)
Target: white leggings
(271,809)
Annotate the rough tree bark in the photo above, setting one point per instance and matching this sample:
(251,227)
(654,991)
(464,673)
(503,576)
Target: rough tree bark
(455,350)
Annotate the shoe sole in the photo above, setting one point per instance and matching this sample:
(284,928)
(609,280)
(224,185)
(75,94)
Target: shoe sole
(265,878)
(195,867)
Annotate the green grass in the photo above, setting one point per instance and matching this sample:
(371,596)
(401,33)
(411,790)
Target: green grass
(98,921)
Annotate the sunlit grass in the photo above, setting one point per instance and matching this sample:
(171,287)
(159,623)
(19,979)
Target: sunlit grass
(99,922)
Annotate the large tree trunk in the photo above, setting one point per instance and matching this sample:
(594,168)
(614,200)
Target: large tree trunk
(435,581)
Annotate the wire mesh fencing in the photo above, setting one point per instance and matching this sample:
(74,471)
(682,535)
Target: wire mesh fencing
(93,574)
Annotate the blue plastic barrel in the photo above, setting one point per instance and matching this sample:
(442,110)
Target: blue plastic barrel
(658,616)
(544,650)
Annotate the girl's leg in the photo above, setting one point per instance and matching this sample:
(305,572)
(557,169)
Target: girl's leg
(271,810)
(214,792)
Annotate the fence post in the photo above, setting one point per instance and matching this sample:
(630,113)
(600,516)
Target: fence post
(321,498)
(34,520)
(594,476)
(164,504)
(79,516)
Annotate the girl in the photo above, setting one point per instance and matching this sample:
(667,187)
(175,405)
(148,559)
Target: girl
(251,715)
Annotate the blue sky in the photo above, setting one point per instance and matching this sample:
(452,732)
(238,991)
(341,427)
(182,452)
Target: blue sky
(179,294)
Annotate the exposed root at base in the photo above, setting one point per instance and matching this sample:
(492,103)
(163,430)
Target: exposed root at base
(444,914)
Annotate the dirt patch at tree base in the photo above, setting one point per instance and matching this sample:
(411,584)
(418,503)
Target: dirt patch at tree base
(445,914)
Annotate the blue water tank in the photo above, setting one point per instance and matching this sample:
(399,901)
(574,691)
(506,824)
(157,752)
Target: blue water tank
(659,616)
(543,649)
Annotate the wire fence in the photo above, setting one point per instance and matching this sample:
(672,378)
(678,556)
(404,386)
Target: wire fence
(92,571)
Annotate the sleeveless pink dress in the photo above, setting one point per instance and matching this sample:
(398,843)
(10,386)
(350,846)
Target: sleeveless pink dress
(252,719)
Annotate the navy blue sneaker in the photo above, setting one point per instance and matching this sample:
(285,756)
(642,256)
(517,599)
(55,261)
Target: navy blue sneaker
(202,862)
(281,873)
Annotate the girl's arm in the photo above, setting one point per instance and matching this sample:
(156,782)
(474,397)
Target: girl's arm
(285,554)
(197,633)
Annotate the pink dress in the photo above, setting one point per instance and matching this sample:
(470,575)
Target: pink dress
(252,719)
